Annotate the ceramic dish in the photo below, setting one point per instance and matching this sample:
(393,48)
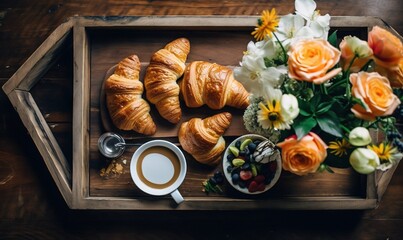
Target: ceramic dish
(247,168)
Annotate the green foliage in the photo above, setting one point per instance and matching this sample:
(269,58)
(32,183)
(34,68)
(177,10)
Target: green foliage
(303,126)
(317,113)
(332,39)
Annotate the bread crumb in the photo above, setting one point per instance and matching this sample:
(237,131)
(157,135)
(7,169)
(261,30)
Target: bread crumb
(112,170)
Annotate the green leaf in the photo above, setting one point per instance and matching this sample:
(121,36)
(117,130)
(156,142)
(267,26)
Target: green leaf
(304,113)
(304,126)
(304,108)
(324,107)
(332,39)
(315,102)
(329,122)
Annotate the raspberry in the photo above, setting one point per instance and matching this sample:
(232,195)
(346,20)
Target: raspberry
(259,178)
(253,186)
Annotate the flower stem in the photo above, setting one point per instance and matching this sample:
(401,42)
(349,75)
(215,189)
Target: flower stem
(348,91)
(351,64)
(345,128)
(282,47)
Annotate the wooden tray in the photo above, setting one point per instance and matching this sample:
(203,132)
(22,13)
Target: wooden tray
(98,44)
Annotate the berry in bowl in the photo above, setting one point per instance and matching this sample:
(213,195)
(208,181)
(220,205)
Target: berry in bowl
(252,164)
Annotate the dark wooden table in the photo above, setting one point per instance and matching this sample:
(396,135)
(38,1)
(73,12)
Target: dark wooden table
(31,206)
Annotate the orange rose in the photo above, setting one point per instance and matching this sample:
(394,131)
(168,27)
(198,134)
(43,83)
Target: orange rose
(395,75)
(375,93)
(348,53)
(311,59)
(303,156)
(387,48)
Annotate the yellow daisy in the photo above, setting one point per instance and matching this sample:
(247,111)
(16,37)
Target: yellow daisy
(339,148)
(386,152)
(266,25)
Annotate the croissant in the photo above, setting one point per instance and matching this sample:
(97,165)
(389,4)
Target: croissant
(202,138)
(127,108)
(166,66)
(213,85)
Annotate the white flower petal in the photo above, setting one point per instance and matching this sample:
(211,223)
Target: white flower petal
(319,31)
(364,160)
(323,21)
(359,136)
(271,93)
(272,76)
(289,107)
(305,8)
(289,25)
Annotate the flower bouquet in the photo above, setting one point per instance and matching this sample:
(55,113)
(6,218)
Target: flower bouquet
(318,99)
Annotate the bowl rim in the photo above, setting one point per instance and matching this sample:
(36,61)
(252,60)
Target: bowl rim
(227,175)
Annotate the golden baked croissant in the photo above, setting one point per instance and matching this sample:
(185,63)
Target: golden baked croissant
(127,108)
(166,66)
(202,138)
(213,85)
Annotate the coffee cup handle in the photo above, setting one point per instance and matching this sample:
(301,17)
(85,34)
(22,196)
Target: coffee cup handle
(177,196)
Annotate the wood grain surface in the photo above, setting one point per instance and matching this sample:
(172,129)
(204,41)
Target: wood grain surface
(31,206)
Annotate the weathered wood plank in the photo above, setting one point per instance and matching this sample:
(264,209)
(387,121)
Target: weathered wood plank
(81,99)
(44,140)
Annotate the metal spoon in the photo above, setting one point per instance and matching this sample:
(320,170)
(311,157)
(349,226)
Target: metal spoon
(120,144)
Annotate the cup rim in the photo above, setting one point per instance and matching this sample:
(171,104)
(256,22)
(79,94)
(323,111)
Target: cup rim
(153,191)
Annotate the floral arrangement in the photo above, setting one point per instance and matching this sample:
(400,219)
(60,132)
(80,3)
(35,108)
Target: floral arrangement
(317,99)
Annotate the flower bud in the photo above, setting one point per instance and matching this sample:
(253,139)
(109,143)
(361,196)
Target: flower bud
(289,107)
(358,46)
(359,136)
(364,160)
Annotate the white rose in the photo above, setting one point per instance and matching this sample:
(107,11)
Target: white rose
(364,160)
(358,46)
(289,107)
(359,136)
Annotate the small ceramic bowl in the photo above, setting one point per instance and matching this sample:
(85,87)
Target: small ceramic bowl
(252,177)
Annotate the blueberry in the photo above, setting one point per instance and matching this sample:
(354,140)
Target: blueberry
(212,181)
(218,177)
(219,180)
(235,178)
(252,147)
(245,166)
(242,153)
(218,174)
(230,157)
(229,168)
(235,170)
(247,151)
(398,144)
(238,144)
(242,184)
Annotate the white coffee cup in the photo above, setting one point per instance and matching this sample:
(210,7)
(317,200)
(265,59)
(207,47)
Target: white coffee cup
(158,168)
